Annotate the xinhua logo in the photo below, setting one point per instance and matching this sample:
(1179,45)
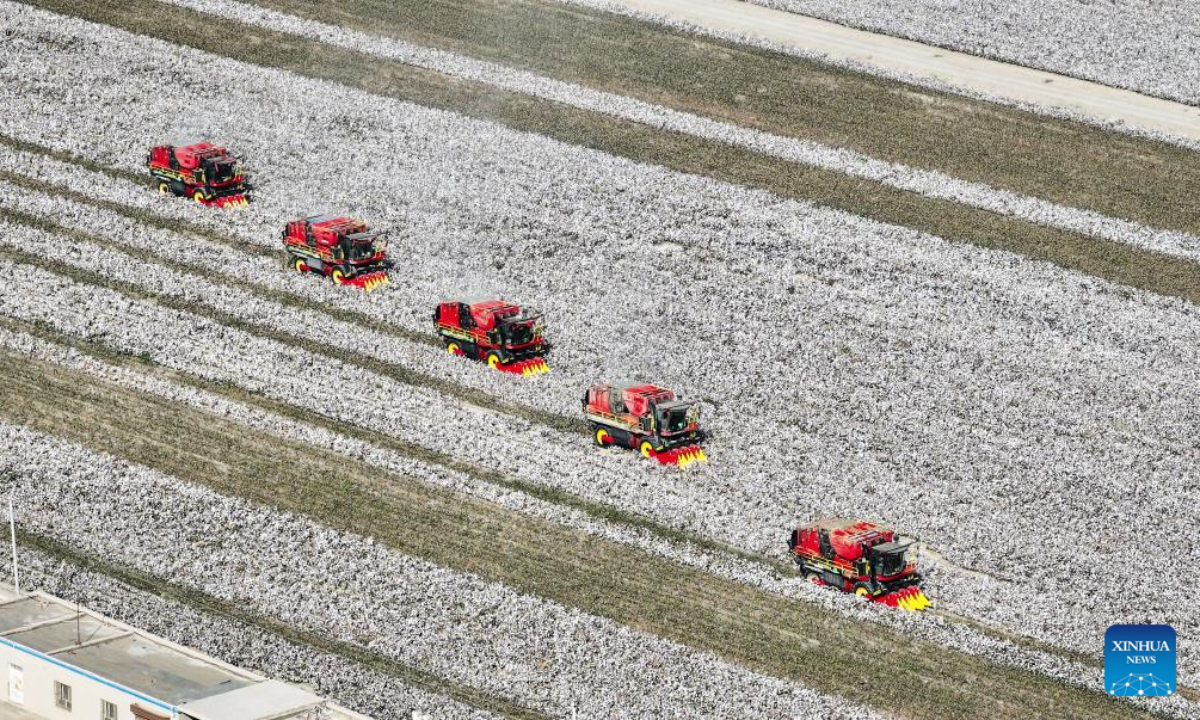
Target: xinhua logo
(1139,660)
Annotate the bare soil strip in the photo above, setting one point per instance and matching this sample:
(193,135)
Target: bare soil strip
(600,511)
(205,603)
(1066,162)
(1112,261)
(761,631)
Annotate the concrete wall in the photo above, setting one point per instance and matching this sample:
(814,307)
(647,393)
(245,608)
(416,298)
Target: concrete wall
(40,672)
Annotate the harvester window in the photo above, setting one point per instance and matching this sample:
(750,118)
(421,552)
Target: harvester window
(823,540)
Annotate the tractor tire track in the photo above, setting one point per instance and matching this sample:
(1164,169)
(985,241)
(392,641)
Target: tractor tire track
(533,450)
(930,184)
(753,572)
(368,681)
(357,590)
(918,369)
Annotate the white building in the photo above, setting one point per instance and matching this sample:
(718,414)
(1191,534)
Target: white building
(60,662)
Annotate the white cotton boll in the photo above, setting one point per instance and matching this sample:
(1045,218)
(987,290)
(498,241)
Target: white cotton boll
(991,403)
(362,689)
(1135,45)
(471,631)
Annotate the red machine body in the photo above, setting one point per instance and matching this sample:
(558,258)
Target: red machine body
(861,557)
(340,248)
(648,418)
(203,172)
(505,336)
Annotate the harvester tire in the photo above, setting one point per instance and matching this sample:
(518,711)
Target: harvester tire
(164,187)
(602,437)
(861,591)
(453,349)
(646,448)
(338,277)
(300,265)
(198,196)
(493,360)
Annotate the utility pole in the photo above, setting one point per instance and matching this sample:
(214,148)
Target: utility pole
(12,531)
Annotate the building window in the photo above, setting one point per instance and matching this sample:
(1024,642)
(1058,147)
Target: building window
(108,711)
(16,684)
(62,695)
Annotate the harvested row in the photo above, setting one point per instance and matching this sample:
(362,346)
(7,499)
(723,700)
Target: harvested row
(1134,45)
(1117,262)
(673,601)
(925,182)
(349,684)
(885,265)
(158,329)
(857,288)
(293,569)
(718,564)
(184,341)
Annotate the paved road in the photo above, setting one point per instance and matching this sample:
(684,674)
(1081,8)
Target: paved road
(980,74)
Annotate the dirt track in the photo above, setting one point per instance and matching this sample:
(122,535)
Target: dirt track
(975,73)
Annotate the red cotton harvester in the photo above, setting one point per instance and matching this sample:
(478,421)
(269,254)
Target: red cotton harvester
(203,172)
(864,558)
(505,336)
(647,418)
(339,248)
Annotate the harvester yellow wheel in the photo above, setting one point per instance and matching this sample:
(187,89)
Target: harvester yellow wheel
(862,592)
(198,196)
(300,266)
(602,437)
(646,448)
(493,360)
(164,187)
(453,349)
(338,277)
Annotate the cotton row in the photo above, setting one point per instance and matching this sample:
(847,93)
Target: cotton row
(944,579)
(925,182)
(357,591)
(991,405)
(1141,45)
(349,684)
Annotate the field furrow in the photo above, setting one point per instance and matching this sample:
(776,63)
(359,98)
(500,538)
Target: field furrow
(1002,366)
(485,485)
(292,569)
(189,618)
(813,361)
(930,184)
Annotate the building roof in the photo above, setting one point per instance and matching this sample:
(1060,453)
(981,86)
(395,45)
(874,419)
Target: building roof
(168,674)
(260,701)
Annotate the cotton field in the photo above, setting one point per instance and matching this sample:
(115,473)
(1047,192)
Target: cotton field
(1145,46)
(1033,427)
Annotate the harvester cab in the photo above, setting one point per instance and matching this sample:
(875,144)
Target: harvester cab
(648,418)
(340,248)
(203,172)
(507,337)
(867,559)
